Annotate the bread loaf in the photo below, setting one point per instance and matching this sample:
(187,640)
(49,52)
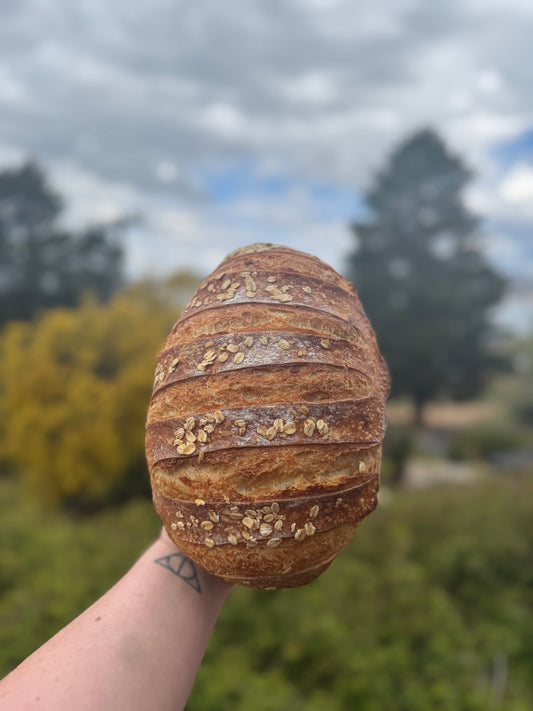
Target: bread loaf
(265,426)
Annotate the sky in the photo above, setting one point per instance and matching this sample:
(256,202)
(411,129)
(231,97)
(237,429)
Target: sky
(219,124)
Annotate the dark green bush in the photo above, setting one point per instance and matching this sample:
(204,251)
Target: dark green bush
(398,447)
(430,597)
(524,412)
(432,591)
(485,441)
(53,566)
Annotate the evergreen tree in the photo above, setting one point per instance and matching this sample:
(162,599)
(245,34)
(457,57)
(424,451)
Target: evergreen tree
(422,276)
(40,264)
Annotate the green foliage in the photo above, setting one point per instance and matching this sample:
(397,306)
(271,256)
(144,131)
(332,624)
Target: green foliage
(422,276)
(415,614)
(53,566)
(524,411)
(522,397)
(74,388)
(482,442)
(399,445)
(508,430)
(431,595)
(41,265)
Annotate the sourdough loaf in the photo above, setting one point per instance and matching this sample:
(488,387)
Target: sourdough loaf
(265,426)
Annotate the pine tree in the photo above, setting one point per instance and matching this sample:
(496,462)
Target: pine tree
(42,265)
(422,276)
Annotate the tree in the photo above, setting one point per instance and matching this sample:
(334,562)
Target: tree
(42,265)
(422,276)
(74,388)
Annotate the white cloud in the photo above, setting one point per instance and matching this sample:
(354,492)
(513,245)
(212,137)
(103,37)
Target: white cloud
(166,171)
(516,187)
(316,88)
(128,103)
(223,119)
(504,194)
(91,199)
(485,127)
(489,81)
(11,156)
(13,92)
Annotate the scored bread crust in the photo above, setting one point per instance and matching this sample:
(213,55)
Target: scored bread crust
(264,431)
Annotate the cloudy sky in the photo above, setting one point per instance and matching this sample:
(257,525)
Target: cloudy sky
(226,123)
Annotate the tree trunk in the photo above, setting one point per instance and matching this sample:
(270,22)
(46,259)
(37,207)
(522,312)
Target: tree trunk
(419,403)
(399,473)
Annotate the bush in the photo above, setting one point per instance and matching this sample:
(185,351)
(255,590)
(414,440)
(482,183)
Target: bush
(398,446)
(74,388)
(485,441)
(53,566)
(416,614)
(524,412)
(432,594)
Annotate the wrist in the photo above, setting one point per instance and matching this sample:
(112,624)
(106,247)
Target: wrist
(168,554)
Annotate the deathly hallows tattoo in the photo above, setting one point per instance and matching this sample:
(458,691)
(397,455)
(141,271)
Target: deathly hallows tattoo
(183,567)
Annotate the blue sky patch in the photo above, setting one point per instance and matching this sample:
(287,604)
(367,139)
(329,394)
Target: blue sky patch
(234,182)
(517,149)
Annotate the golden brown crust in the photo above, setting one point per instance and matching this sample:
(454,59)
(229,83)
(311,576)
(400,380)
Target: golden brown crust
(203,355)
(269,392)
(268,426)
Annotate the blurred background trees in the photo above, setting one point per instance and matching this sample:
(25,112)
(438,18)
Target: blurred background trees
(422,277)
(75,387)
(77,351)
(41,264)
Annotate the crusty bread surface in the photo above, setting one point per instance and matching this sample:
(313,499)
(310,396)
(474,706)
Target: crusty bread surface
(264,431)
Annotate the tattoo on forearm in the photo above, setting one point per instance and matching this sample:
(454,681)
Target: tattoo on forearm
(183,567)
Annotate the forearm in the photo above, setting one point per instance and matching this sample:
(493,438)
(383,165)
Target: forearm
(138,647)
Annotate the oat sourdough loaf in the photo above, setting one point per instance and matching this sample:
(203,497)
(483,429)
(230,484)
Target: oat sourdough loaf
(265,426)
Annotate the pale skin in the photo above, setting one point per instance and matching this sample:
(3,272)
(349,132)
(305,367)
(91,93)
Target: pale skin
(137,647)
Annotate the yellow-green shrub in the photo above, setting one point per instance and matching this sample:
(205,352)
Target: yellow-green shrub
(74,387)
